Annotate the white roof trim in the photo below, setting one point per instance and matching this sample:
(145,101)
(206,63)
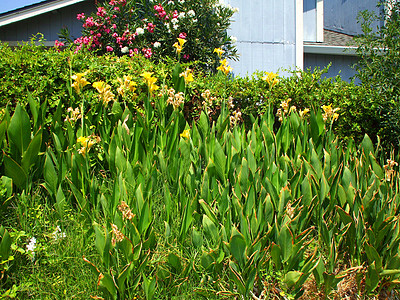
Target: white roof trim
(332,50)
(29,12)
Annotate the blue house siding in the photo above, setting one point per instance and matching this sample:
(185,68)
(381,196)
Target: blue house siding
(341,64)
(49,24)
(266,35)
(341,15)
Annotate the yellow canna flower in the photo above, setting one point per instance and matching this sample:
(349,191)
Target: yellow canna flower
(126,84)
(304,113)
(187,75)
(185,134)
(104,90)
(179,45)
(79,81)
(150,81)
(82,140)
(270,78)
(181,42)
(329,113)
(224,68)
(219,51)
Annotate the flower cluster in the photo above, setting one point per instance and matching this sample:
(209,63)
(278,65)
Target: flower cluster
(116,28)
(58,234)
(31,247)
(187,75)
(105,94)
(126,85)
(179,45)
(126,211)
(73,115)
(270,78)
(79,81)
(208,101)
(235,118)
(87,143)
(285,109)
(150,81)
(175,99)
(224,68)
(329,114)
(389,169)
(117,235)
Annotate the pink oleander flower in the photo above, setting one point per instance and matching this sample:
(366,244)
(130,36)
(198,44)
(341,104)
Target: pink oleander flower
(58,45)
(150,27)
(147,52)
(109,49)
(101,11)
(183,35)
(80,16)
(186,56)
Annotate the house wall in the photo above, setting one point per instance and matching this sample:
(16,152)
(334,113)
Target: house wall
(49,24)
(341,15)
(266,35)
(341,64)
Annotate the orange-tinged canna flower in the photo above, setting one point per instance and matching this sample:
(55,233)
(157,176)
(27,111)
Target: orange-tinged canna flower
(126,85)
(329,113)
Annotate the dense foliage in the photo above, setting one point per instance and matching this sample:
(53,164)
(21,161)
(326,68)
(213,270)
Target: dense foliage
(172,183)
(378,69)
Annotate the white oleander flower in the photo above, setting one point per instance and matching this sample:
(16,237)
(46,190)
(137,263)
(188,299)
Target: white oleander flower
(125,50)
(157,44)
(139,31)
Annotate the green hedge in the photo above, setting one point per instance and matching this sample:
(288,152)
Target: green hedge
(45,73)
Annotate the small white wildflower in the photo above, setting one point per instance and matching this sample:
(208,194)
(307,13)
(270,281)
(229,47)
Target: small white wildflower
(176,27)
(157,44)
(181,15)
(191,13)
(174,21)
(139,31)
(194,20)
(58,234)
(181,1)
(167,25)
(125,50)
(31,247)
(233,39)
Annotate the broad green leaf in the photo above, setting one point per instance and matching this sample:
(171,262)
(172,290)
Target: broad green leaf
(285,242)
(292,277)
(13,170)
(31,154)
(237,246)
(5,244)
(50,174)
(108,282)
(60,202)
(175,262)
(19,130)
(220,161)
(210,228)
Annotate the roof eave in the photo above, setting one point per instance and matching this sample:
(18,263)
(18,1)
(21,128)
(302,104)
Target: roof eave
(34,11)
(330,50)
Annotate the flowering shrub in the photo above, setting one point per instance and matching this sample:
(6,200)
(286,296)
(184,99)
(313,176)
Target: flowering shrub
(145,27)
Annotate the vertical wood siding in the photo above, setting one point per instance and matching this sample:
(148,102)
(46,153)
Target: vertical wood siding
(340,64)
(341,15)
(266,34)
(49,24)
